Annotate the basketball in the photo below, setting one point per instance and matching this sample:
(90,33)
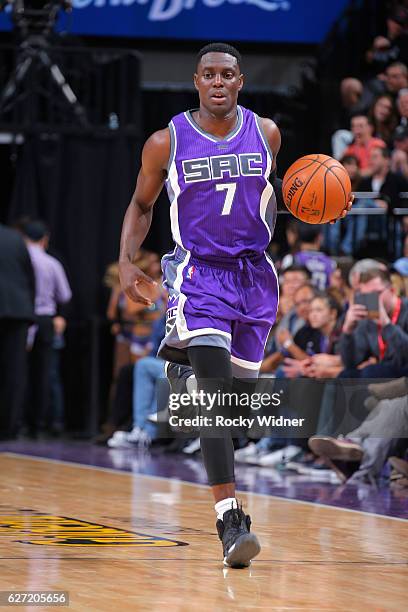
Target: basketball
(316,188)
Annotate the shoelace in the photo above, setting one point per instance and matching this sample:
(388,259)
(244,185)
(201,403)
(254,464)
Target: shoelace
(236,514)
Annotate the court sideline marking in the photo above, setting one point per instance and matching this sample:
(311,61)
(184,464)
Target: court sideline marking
(191,484)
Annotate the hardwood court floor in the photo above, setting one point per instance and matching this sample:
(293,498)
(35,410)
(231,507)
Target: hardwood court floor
(313,557)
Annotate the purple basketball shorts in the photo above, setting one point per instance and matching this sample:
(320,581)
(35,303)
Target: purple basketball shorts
(229,303)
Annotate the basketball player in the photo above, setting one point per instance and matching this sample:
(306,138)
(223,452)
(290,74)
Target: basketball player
(219,166)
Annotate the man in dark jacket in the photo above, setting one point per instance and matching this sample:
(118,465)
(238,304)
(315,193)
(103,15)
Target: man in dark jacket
(17,293)
(383,339)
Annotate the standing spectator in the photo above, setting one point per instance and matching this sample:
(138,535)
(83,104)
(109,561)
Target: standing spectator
(17,292)
(319,265)
(52,288)
(362,130)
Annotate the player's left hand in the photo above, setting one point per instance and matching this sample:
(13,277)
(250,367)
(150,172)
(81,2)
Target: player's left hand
(344,211)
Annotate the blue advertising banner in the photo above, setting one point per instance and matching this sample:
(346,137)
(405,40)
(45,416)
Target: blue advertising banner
(293,21)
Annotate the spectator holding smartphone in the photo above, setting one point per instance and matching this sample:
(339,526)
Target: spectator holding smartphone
(377,338)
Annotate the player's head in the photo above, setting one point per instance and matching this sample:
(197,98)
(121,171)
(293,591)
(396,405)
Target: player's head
(218,78)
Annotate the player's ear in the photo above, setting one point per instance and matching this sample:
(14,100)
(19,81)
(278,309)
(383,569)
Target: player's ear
(196,81)
(241,82)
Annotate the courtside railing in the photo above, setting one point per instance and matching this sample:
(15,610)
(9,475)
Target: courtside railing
(390,230)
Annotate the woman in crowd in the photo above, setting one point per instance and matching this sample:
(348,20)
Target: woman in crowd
(132,326)
(384,118)
(318,336)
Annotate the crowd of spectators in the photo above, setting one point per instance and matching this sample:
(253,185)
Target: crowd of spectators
(338,321)
(371,140)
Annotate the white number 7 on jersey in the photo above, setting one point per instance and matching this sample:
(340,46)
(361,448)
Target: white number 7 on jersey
(230,189)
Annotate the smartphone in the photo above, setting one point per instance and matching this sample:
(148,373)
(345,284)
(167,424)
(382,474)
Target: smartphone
(370,301)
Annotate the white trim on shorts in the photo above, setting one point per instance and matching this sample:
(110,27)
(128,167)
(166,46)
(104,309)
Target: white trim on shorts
(248,365)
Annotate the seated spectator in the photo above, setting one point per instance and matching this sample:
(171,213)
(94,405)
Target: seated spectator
(132,323)
(290,280)
(384,118)
(319,265)
(399,475)
(362,453)
(135,320)
(393,46)
(351,164)
(383,340)
(399,157)
(292,238)
(363,142)
(145,374)
(389,184)
(319,335)
(402,106)
(381,180)
(401,265)
(360,267)
(285,333)
(394,78)
(332,231)
(339,284)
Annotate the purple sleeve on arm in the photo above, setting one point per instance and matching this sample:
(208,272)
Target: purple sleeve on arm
(63,291)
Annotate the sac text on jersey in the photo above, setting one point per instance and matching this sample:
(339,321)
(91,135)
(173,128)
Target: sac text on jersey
(217,166)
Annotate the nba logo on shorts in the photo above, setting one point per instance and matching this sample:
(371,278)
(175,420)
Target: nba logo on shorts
(190,272)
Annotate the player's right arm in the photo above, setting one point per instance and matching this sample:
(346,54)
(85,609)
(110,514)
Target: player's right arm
(138,217)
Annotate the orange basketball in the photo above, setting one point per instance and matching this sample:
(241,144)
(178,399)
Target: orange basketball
(316,188)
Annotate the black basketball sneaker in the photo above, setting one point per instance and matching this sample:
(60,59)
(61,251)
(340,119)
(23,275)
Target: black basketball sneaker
(182,381)
(239,545)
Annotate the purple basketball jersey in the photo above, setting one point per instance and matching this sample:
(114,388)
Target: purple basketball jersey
(319,265)
(222,204)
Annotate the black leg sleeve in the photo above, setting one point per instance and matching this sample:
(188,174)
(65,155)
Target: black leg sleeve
(212,368)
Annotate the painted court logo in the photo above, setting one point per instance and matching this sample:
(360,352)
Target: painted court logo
(50,530)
